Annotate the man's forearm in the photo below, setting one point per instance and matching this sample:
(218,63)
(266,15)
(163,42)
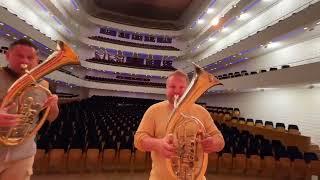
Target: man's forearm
(53,113)
(218,142)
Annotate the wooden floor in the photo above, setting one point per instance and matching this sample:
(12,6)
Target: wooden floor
(130,176)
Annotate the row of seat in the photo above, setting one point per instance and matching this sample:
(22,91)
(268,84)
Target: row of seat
(245,73)
(268,166)
(123,81)
(167,66)
(134,36)
(93,160)
(228,114)
(132,44)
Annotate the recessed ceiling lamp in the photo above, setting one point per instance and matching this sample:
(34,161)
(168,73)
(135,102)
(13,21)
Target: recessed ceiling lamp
(200,21)
(318,23)
(273,44)
(209,11)
(225,29)
(305,28)
(211,39)
(1,24)
(244,16)
(215,21)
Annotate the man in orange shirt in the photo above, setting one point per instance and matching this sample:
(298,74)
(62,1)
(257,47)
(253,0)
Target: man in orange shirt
(151,134)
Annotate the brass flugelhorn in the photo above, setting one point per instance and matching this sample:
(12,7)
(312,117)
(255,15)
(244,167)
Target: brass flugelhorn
(28,105)
(191,161)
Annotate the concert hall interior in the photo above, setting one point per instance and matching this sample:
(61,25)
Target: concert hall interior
(266,53)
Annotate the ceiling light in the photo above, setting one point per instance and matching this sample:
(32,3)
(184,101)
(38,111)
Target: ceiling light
(225,29)
(25,36)
(198,47)
(273,44)
(318,23)
(200,21)
(244,16)
(210,10)
(8,34)
(305,28)
(215,21)
(1,24)
(14,38)
(211,39)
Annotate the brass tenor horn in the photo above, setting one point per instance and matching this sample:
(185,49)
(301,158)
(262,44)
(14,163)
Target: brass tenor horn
(29,107)
(191,161)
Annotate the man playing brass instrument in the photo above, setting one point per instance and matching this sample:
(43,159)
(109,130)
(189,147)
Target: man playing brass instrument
(16,161)
(151,133)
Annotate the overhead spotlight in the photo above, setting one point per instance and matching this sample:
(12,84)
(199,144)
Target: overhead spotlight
(225,29)
(244,16)
(211,39)
(318,23)
(305,28)
(198,47)
(215,21)
(209,11)
(1,24)
(200,21)
(8,34)
(273,44)
(25,36)
(14,38)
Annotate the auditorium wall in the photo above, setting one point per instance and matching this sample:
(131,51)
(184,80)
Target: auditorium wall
(298,106)
(294,55)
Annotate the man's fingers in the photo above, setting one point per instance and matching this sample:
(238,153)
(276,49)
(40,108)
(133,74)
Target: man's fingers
(10,116)
(169,147)
(8,123)
(9,107)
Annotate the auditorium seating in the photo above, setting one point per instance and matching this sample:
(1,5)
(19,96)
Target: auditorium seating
(126,82)
(245,73)
(134,36)
(96,135)
(167,65)
(133,44)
